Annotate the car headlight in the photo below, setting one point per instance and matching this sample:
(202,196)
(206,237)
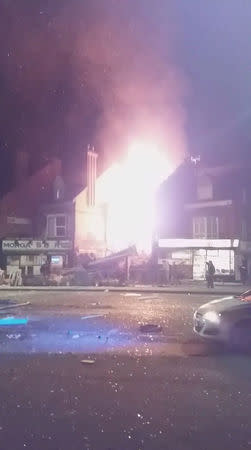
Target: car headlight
(212,316)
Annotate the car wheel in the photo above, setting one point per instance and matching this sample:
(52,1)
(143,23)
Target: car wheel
(240,335)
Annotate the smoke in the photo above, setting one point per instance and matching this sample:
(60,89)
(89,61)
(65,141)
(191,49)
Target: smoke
(140,90)
(97,70)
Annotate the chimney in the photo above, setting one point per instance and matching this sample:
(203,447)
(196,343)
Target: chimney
(21,167)
(91,176)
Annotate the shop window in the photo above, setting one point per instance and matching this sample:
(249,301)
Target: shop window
(26,260)
(13,260)
(30,270)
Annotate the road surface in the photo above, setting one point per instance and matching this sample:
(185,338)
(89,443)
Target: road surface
(140,390)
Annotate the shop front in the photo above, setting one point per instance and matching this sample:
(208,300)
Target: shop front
(29,255)
(191,255)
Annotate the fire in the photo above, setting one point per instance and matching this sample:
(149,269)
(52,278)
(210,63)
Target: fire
(128,189)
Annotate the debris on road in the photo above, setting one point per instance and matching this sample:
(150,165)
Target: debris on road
(87,361)
(13,336)
(150,328)
(14,305)
(150,297)
(7,321)
(131,294)
(75,336)
(92,316)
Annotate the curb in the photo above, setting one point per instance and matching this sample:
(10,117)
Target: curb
(120,290)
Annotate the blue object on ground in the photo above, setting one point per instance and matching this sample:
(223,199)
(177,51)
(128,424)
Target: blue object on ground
(13,321)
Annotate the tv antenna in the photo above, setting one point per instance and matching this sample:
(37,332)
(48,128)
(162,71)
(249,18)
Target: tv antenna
(195,159)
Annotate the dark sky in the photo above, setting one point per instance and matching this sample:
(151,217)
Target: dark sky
(111,71)
(216,58)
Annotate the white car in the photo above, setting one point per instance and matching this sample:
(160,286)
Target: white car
(226,320)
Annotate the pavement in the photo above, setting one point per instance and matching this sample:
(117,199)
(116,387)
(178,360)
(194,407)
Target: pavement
(83,375)
(197,287)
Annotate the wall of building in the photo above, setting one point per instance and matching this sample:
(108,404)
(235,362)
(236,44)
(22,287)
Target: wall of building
(198,192)
(90,226)
(181,192)
(23,201)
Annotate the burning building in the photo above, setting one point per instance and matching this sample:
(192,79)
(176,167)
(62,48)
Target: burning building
(116,210)
(90,215)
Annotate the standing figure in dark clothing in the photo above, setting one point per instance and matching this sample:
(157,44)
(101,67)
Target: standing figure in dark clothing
(210,274)
(244,272)
(45,272)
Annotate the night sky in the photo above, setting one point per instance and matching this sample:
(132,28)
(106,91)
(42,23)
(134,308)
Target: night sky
(110,71)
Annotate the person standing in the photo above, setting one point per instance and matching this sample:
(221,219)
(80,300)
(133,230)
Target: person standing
(173,273)
(210,274)
(243,272)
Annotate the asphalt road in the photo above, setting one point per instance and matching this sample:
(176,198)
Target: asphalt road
(140,390)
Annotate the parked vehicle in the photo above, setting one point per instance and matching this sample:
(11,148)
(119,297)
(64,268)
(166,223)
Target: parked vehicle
(226,320)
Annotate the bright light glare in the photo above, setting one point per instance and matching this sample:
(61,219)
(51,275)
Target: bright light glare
(129,189)
(212,316)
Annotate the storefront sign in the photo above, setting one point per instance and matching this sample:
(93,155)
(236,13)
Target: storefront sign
(198,243)
(30,245)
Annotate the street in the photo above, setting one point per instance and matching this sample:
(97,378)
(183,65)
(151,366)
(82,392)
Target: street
(84,373)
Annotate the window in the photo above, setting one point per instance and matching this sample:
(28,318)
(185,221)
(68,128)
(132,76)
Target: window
(204,188)
(199,227)
(60,226)
(206,227)
(212,227)
(56,226)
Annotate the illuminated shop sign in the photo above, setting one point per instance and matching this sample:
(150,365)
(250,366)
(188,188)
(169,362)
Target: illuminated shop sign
(198,243)
(26,245)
